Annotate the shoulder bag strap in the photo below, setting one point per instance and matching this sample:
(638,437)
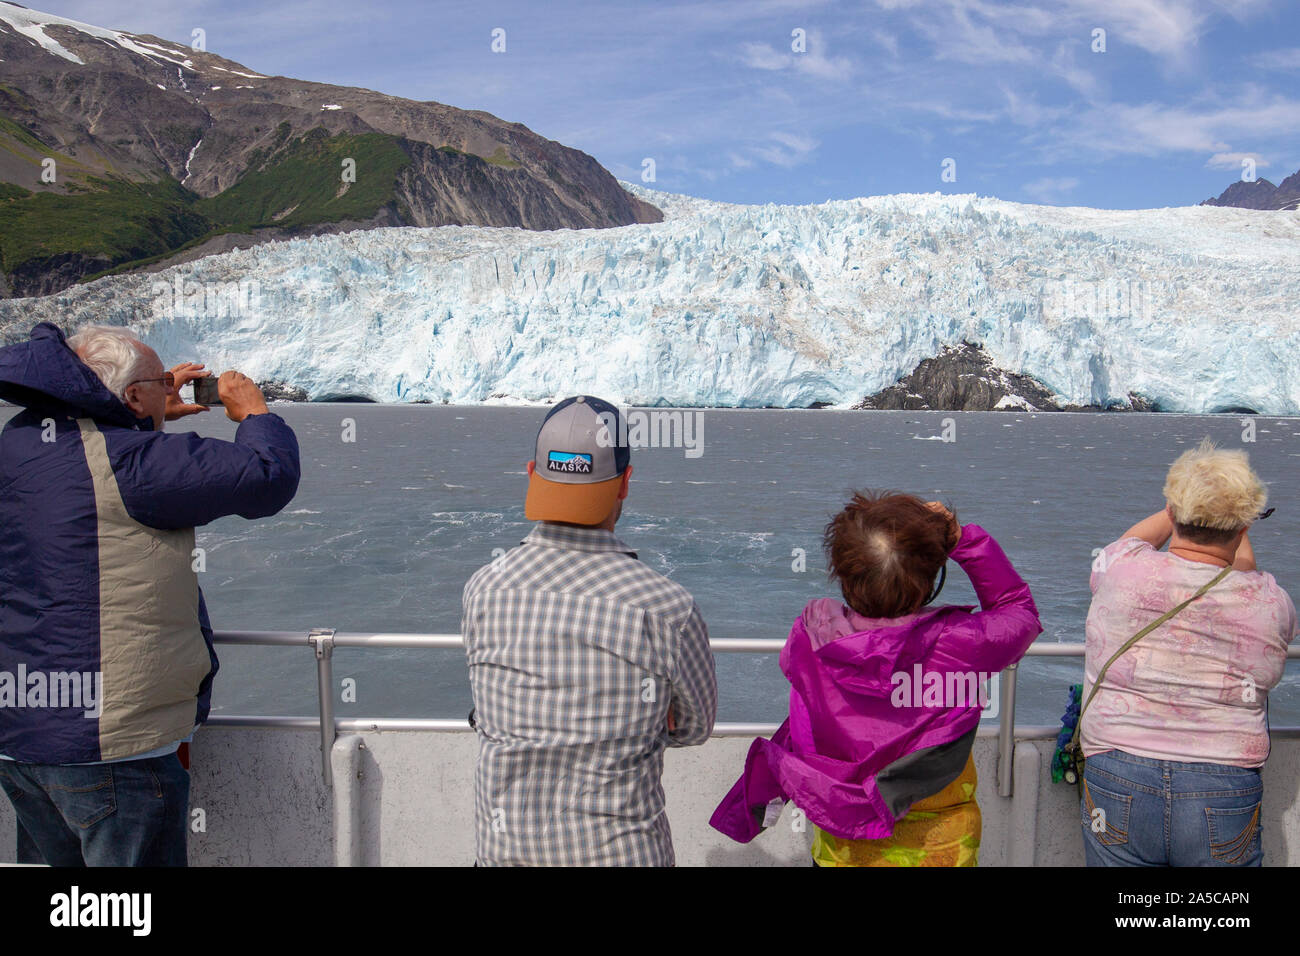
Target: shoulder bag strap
(1078,727)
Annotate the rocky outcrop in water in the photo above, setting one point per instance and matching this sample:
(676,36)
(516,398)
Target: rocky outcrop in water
(963,378)
(283,392)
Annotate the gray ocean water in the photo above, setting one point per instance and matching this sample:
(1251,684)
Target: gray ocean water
(386,529)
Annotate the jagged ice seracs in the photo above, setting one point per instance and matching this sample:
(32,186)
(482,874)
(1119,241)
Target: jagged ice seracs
(1192,308)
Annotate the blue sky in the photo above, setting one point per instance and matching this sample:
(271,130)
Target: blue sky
(883,92)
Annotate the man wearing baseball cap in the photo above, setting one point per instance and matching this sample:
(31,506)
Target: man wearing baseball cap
(585,664)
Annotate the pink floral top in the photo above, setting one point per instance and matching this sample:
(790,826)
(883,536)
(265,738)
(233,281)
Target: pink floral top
(1195,688)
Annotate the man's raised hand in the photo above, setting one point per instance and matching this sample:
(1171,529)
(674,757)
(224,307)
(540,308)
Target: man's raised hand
(241,396)
(184,373)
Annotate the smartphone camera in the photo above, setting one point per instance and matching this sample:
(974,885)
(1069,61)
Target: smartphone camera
(205,391)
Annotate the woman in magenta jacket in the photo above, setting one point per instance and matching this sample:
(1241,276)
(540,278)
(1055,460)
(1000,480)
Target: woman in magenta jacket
(884,698)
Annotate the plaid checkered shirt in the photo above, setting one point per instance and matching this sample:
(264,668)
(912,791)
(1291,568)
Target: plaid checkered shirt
(576,652)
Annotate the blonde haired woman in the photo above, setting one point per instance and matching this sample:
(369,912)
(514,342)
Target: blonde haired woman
(1178,730)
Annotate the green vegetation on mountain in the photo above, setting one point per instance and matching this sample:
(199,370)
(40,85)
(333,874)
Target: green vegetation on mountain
(292,185)
(11,129)
(304,184)
(113,219)
(499,158)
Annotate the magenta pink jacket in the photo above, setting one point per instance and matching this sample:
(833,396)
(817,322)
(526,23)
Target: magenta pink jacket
(843,727)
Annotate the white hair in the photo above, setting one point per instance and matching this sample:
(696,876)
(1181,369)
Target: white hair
(115,355)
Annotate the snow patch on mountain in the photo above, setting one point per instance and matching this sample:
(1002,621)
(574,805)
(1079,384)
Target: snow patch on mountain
(34,30)
(32,24)
(251,76)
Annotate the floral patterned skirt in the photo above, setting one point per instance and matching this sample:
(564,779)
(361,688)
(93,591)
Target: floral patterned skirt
(941,830)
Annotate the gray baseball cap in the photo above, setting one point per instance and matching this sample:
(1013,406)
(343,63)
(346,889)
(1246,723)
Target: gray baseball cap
(579,463)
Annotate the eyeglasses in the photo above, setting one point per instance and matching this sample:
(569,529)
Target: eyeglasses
(168,379)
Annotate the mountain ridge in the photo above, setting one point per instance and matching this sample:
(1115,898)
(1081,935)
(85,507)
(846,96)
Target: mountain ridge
(140,132)
(1260,194)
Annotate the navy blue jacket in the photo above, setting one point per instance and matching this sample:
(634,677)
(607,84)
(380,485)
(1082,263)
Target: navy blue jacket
(105,644)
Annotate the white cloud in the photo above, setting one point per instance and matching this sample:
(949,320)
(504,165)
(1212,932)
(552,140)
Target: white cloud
(785,149)
(1233,161)
(1050,189)
(761,56)
(946,110)
(1026,111)
(1165,28)
(834,68)
(814,61)
(1288,59)
(1149,129)
(1079,78)
(984,31)
(1028,51)
(956,36)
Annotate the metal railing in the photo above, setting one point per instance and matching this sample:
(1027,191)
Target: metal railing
(324,640)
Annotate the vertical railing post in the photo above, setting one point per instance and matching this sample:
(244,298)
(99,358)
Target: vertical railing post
(322,639)
(1007,732)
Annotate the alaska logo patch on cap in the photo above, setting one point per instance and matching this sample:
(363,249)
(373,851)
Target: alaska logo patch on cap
(571,462)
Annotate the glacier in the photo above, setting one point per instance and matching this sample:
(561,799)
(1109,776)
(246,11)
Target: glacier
(728,305)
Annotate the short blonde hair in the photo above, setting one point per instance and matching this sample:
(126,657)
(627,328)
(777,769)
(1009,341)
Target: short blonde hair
(1211,488)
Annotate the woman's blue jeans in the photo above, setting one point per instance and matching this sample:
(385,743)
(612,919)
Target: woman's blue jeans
(1137,811)
(132,813)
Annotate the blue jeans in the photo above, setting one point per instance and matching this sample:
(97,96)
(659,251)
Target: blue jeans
(1137,811)
(132,813)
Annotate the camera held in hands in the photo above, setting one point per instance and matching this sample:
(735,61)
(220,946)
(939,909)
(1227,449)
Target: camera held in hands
(205,391)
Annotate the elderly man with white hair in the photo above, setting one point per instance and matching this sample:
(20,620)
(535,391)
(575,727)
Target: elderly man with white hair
(106,657)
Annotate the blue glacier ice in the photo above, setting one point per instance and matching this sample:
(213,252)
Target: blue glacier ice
(1192,308)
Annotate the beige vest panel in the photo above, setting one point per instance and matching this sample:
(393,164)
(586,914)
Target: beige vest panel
(152,653)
